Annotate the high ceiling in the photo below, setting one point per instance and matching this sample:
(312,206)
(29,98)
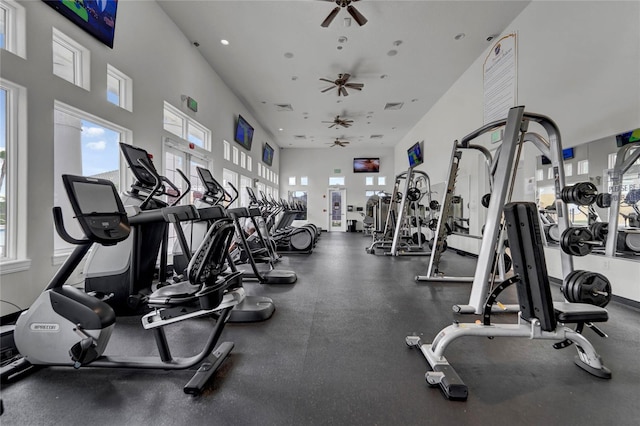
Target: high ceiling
(407,56)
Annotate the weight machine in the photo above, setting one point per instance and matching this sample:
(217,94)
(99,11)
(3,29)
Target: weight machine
(502,168)
(404,215)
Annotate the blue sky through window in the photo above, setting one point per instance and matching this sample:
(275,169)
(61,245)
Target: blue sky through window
(100,150)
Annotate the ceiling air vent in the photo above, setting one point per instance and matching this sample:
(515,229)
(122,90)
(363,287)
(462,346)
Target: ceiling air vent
(299,137)
(284,107)
(377,136)
(393,105)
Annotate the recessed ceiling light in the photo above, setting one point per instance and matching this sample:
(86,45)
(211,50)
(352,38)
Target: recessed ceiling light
(339,47)
(397,42)
(459,36)
(384,76)
(225,42)
(288,55)
(342,39)
(392,52)
(294,78)
(281,129)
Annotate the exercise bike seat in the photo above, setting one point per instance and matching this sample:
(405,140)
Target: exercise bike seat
(579,312)
(174,294)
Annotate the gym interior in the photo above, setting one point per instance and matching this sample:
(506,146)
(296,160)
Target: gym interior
(325,240)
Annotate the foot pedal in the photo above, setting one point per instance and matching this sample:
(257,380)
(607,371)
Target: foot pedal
(208,369)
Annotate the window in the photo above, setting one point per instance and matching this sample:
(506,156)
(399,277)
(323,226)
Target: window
(583,167)
(336,181)
(227,150)
(550,173)
(119,88)
(12,28)
(243,160)
(236,153)
(261,188)
(277,179)
(382,180)
(611,160)
(249,163)
(71,60)
(539,175)
(568,169)
(245,182)
(84,145)
(229,176)
(304,180)
(368,180)
(259,170)
(180,124)
(13,177)
(292,180)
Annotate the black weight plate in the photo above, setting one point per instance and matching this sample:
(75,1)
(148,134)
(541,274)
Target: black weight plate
(579,284)
(591,283)
(413,194)
(565,194)
(584,193)
(415,237)
(433,224)
(434,205)
(573,241)
(603,200)
(575,286)
(486,199)
(568,285)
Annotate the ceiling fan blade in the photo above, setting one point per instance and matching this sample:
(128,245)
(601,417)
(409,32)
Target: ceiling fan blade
(357,16)
(327,89)
(357,86)
(331,17)
(328,81)
(332,126)
(345,77)
(343,91)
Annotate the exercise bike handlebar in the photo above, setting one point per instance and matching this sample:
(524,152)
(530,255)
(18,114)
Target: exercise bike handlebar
(58,221)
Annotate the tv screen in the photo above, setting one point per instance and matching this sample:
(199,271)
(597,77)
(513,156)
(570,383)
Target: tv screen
(133,155)
(366,165)
(567,153)
(628,137)
(244,133)
(545,160)
(267,154)
(415,154)
(97,17)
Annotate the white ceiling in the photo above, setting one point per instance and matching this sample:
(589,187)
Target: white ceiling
(278,51)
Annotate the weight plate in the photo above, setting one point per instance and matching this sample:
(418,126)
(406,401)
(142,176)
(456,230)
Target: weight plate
(566,285)
(433,224)
(633,241)
(584,193)
(554,233)
(603,200)
(413,194)
(575,286)
(415,237)
(574,240)
(594,288)
(486,199)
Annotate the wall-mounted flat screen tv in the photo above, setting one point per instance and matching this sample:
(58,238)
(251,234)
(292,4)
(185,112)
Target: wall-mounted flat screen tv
(567,153)
(628,137)
(267,154)
(415,154)
(366,165)
(97,17)
(244,133)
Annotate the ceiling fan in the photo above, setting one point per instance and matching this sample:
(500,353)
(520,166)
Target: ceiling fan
(339,143)
(339,122)
(357,16)
(342,84)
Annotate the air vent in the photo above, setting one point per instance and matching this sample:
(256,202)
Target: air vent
(393,105)
(377,136)
(284,107)
(299,137)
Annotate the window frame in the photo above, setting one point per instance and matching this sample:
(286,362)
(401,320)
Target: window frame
(81,59)
(15,40)
(125,87)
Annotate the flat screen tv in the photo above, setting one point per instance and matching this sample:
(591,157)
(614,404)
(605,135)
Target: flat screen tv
(415,154)
(567,153)
(244,133)
(366,165)
(267,154)
(545,160)
(96,17)
(628,137)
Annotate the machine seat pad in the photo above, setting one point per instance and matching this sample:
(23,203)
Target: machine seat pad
(174,294)
(579,312)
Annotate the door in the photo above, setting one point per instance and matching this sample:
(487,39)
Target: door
(337,210)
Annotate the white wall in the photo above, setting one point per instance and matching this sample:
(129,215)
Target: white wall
(319,164)
(163,64)
(579,64)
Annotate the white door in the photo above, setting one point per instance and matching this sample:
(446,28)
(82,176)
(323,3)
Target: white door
(337,210)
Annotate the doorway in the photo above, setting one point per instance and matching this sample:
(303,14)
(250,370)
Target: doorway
(337,210)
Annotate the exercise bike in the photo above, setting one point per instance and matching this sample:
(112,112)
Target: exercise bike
(68,327)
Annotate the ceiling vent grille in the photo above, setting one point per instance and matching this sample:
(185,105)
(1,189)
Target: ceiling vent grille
(393,105)
(284,107)
(299,137)
(377,136)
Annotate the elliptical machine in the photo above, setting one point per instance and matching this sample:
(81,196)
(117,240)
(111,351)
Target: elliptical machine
(67,327)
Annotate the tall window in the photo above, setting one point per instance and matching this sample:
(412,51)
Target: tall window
(84,145)
(13,28)
(229,176)
(336,181)
(244,195)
